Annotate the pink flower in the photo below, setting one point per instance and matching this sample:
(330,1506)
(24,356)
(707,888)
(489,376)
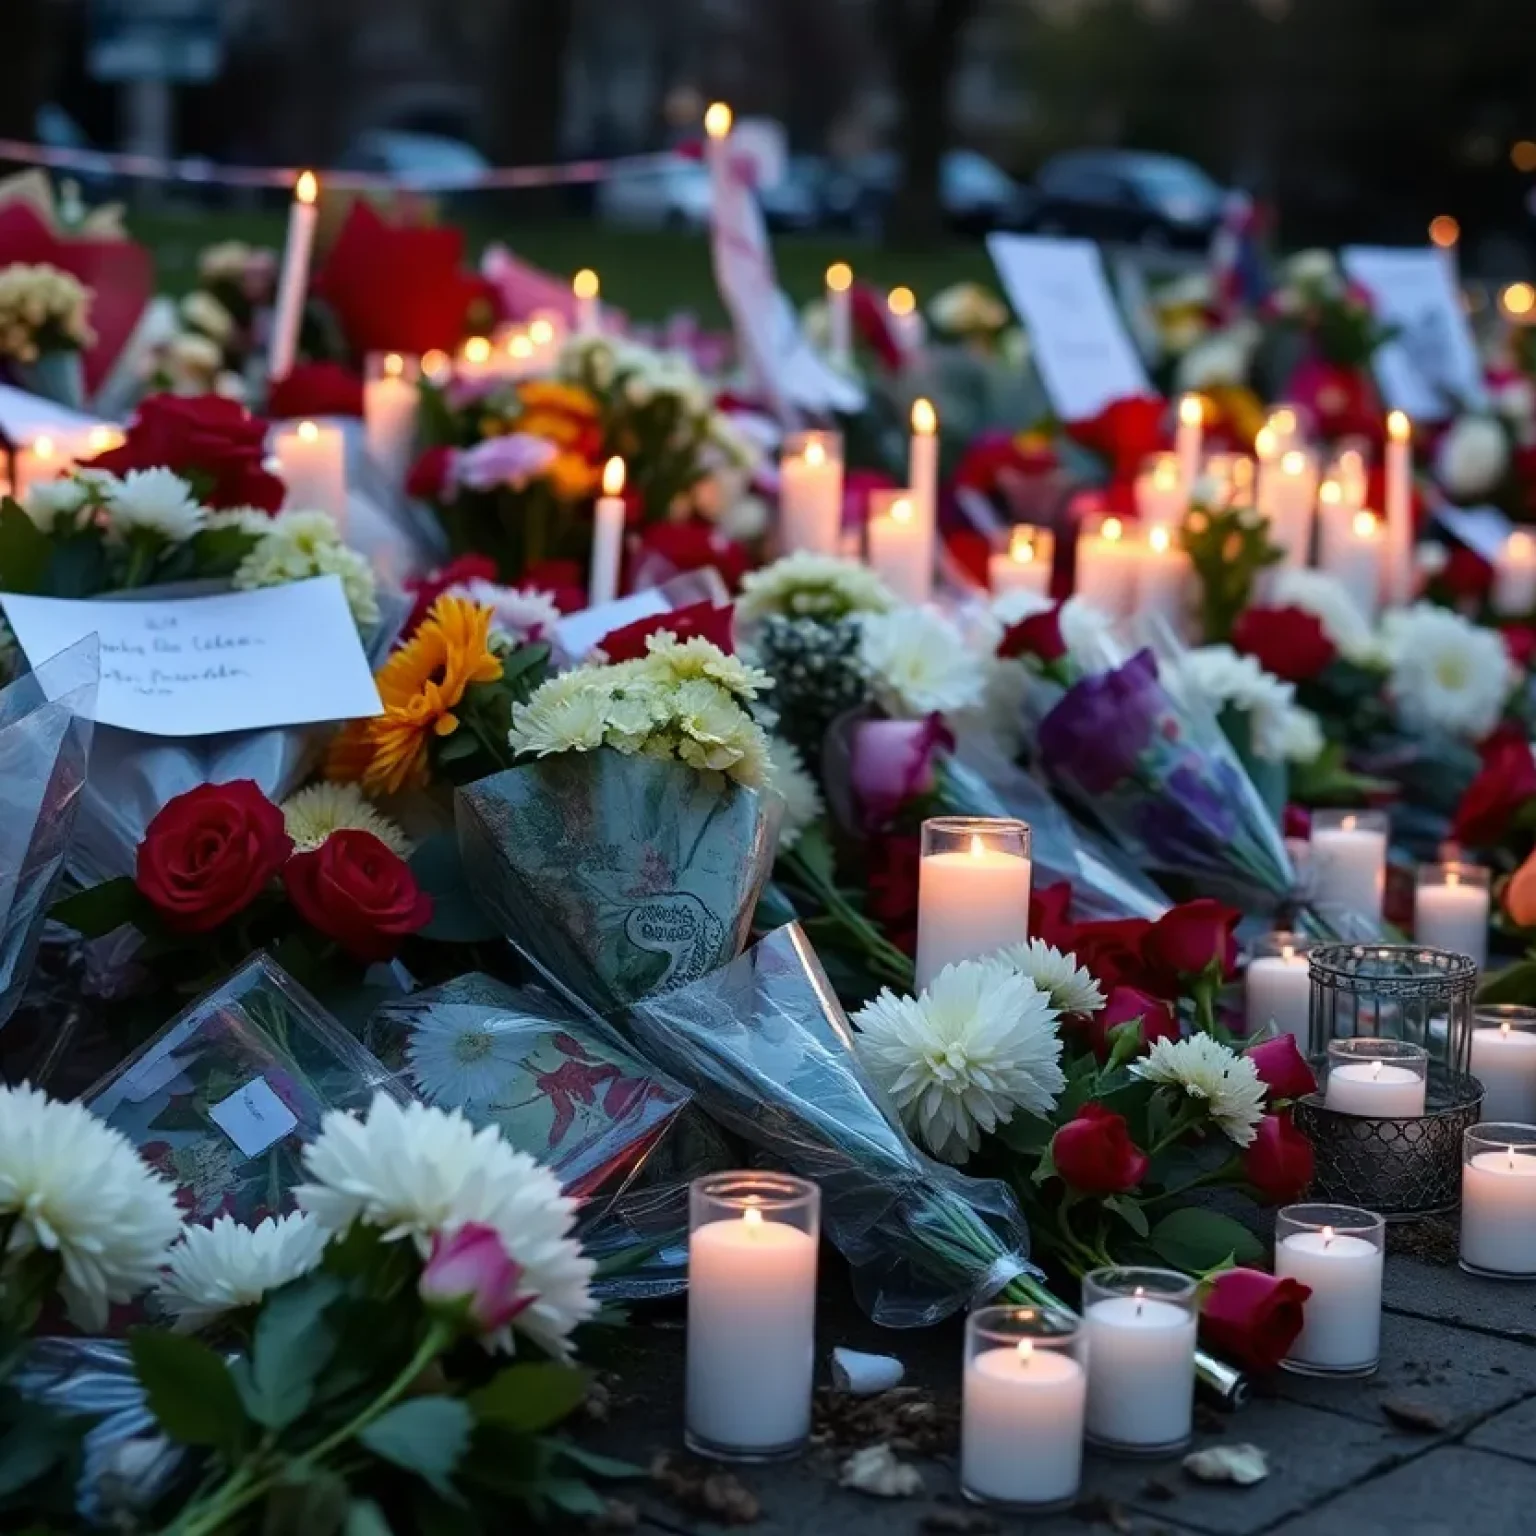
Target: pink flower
(893,763)
(512,460)
(470,1276)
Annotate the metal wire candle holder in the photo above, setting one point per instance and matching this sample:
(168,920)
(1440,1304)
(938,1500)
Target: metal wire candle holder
(1400,1167)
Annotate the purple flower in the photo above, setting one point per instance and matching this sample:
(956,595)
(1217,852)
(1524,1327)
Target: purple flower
(512,461)
(893,763)
(1102,725)
(1190,824)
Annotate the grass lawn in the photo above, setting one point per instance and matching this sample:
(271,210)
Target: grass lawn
(648,274)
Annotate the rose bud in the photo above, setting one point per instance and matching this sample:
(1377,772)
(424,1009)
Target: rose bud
(469,1277)
(1278,1162)
(1251,1318)
(1095,1154)
(1283,1068)
(1125,1005)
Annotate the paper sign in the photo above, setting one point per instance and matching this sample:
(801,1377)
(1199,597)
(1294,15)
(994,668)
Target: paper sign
(1431,367)
(198,666)
(1086,358)
(253,1117)
(1484,530)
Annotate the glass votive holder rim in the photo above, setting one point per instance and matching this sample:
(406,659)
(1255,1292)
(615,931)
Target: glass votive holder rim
(1365,819)
(1341,1220)
(1360,1050)
(1282,944)
(776,1196)
(1149,1282)
(794,444)
(1453,872)
(998,834)
(1498,1017)
(405,366)
(1003,1324)
(1496,1136)
(1400,970)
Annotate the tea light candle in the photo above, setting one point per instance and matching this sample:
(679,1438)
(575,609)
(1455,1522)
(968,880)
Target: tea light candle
(312,461)
(1377,1079)
(1398,582)
(1106,568)
(1349,861)
(1504,1062)
(1163,580)
(1287,495)
(391,396)
(811,493)
(1140,1333)
(293,278)
(897,549)
(1189,440)
(585,289)
(923,473)
(36,463)
(1021,1429)
(751,1314)
(1498,1199)
(972,890)
(1355,560)
(1514,575)
(1025,566)
(1338,1252)
(1162,494)
(1278,988)
(607,536)
(1451,909)
(840,314)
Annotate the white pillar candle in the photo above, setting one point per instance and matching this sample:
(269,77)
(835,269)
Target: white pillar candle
(1349,474)
(1025,566)
(1141,1372)
(1342,1317)
(1287,495)
(751,1334)
(1514,575)
(811,493)
(1398,582)
(1376,1089)
(391,398)
(1451,911)
(1348,865)
(1504,1062)
(607,536)
(972,891)
(312,462)
(1189,440)
(1164,581)
(1335,514)
(898,550)
(840,314)
(1107,561)
(1498,1207)
(293,279)
(906,322)
(1281,432)
(923,472)
(585,290)
(1162,494)
(1278,992)
(1357,562)
(1021,1429)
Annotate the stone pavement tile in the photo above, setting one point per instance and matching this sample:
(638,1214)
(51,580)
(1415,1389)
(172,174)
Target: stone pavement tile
(1448,1492)
(1460,1374)
(1513,1432)
(1448,1294)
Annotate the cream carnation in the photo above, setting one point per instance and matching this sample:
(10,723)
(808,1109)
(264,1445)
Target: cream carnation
(49,500)
(1446,674)
(1228,1085)
(312,814)
(156,501)
(299,545)
(225,1267)
(918,663)
(810,586)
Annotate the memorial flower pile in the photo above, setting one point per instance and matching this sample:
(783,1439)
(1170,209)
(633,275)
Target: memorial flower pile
(42,310)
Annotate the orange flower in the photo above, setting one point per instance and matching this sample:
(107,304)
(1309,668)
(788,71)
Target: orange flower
(420,686)
(563,413)
(571,477)
(551,395)
(1520,894)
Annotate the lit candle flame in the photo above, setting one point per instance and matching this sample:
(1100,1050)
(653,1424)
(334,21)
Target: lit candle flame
(100,439)
(1141,1296)
(1283,420)
(541,333)
(1511,1154)
(520,346)
(308,432)
(1504,1029)
(1375,1071)
(1293,462)
(394,365)
(1191,411)
(901,301)
(307,187)
(1158,538)
(1112,530)
(1026,1351)
(613,477)
(814,452)
(1398,426)
(1264,443)
(1453,877)
(1347,824)
(1330,493)
(584,285)
(1021,547)
(839,277)
(42,447)
(477,349)
(978,848)
(1519,543)
(717,120)
(901,510)
(925,420)
(434,362)
(1328,1236)
(752,1217)
(1165,473)
(1364,525)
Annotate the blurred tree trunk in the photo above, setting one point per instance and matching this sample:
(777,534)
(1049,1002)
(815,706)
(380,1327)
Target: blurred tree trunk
(26,39)
(924,38)
(525,88)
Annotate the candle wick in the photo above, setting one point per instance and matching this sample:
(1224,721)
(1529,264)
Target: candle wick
(752,1216)
(1504,1029)
(1327,1236)
(1375,1069)
(1140,1295)
(1026,1351)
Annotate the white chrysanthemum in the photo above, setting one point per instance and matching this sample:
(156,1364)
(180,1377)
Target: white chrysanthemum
(1446,674)
(809,586)
(671,660)
(523,614)
(966,308)
(415,1171)
(569,713)
(1314,268)
(1334,607)
(49,500)
(1070,987)
(745,519)
(1221,359)
(1278,731)
(959,1059)
(1228,1084)
(225,1267)
(458,1061)
(1472,457)
(154,501)
(71,1185)
(204,313)
(250,520)
(298,545)
(918,663)
(795,788)
(1298,739)
(312,814)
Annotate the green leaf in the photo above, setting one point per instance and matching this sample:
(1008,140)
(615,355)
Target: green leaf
(457,918)
(292,1345)
(427,1436)
(1047,1167)
(598,1466)
(189,1390)
(1026,1132)
(102,908)
(1129,1212)
(530,1397)
(1124,1043)
(25,551)
(574,1497)
(1196,1239)
(311,1501)
(33,1446)
(365,1518)
(1514,984)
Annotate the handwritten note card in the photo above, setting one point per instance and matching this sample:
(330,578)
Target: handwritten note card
(1081,346)
(197,666)
(253,1117)
(1431,365)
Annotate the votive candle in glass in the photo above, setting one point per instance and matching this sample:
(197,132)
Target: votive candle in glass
(1378,1079)
(391,396)
(1451,909)
(1021,1426)
(811,492)
(752,1244)
(312,461)
(1165,579)
(898,545)
(1139,1326)
(1278,987)
(1107,557)
(1504,1061)
(1337,1250)
(972,890)
(1349,862)
(1514,575)
(1025,565)
(1355,557)
(1162,493)
(1498,1200)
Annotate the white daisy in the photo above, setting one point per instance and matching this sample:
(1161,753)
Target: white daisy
(313,813)
(1228,1084)
(960,1058)
(155,501)
(225,1267)
(1070,987)
(416,1171)
(809,586)
(1330,601)
(454,1062)
(71,1185)
(796,789)
(1446,674)
(919,664)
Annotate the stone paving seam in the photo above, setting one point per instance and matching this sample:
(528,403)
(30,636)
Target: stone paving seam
(1482,1330)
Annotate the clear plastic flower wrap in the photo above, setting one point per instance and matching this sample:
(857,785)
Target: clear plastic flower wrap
(45,744)
(222,1100)
(616,876)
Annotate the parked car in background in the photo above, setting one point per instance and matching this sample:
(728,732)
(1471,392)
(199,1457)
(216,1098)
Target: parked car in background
(1124,196)
(676,196)
(976,195)
(422,159)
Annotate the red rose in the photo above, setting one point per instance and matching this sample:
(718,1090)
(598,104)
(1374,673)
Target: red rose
(1278,1162)
(564,580)
(1282,1068)
(1187,940)
(1467,574)
(1519,643)
(1505,782)
(701,621)
(425,590)
(1289,642)
(1296,821)
(353,889)
(1251,1318)
(208,853)
(1050,917)
(669,549)
(431,476)
(1110,949)
(214,442)
(872,324)
(1125,1005)
(1126,432)
(893,870)
(316,389)
(1095,1154)
(1039,636)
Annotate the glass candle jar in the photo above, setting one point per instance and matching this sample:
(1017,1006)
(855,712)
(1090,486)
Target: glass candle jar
(1337,1250)
(1348,867)
(972,890)
(1504,1061)
(1451,908)
(811,492)
(1278,987)
(1024,564)
(1498,1201)
(1381,1079)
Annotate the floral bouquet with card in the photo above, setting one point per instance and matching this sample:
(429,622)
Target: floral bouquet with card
(44,328)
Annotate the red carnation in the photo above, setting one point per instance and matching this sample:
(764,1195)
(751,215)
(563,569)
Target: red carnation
(1289,642)
(1038,635)
(1466,574)
(1278,1162)
(356,890)
(1094,1153)
(700,621)
(426,590)
(872,324)
(1126,432)
(562,579)
(431,476)
(670,549)
(1251,1318)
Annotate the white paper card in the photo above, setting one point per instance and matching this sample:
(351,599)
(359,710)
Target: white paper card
(1483,530)
(198,666)
(1431,365)
(253,1117)
(1080,344)
(578,632)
